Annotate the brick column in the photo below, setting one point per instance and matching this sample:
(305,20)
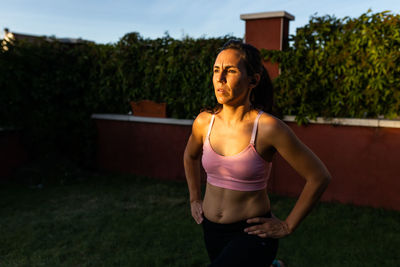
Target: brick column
(269,30)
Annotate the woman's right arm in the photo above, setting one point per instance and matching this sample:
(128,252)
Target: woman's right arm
(191,161)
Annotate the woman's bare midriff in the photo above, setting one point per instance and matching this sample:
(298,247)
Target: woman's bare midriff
(222,205)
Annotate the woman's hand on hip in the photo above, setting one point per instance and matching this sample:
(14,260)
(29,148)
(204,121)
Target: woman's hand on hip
(196,207)
(268,227)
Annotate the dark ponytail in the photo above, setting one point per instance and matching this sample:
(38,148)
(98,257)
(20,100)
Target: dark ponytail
(262,96)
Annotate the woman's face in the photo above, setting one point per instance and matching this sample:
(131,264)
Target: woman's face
(230,79)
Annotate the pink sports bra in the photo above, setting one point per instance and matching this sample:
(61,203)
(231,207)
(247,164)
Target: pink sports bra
(245,171)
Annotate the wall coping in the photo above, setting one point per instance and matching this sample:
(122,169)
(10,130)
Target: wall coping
(6,129)
(122,117)
(352,122)
(267,15)
(334,121)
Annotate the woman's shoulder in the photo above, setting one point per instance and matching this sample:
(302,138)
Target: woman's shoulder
(268,119)
(203,118)
(270,125)
(202,121)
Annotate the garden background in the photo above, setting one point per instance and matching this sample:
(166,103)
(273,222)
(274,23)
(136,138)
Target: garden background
(49,90)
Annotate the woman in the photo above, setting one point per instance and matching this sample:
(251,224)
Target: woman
(237,141)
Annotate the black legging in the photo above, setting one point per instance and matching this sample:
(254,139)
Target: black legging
(229,245)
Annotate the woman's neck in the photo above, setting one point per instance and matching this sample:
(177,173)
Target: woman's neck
(232,115)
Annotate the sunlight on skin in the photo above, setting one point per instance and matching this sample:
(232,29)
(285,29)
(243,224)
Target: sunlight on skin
(230,79)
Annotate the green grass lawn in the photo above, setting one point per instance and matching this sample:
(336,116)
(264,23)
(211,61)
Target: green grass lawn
(124,220)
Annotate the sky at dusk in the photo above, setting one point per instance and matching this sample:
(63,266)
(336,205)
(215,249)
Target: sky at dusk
(106,21)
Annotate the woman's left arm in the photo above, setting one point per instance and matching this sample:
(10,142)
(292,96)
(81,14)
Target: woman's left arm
(306,163)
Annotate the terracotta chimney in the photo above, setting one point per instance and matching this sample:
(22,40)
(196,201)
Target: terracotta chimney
(269,30)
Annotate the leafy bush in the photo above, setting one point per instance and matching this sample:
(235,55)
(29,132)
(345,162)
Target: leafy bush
(45,92)
(49,89)
(341,68)
(334,68)
(177,72)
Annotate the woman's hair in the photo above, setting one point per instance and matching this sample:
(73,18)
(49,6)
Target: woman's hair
(261,96)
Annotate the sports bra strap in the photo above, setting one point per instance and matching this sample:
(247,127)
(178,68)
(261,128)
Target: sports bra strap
(253,134)
(209,127)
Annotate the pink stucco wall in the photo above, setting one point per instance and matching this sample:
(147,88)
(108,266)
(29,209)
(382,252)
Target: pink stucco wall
(12,153)
(363,161)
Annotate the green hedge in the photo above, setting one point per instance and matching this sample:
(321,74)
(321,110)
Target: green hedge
(49,90)
(334,68)
(46,92)
(178,72)
(341,68)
